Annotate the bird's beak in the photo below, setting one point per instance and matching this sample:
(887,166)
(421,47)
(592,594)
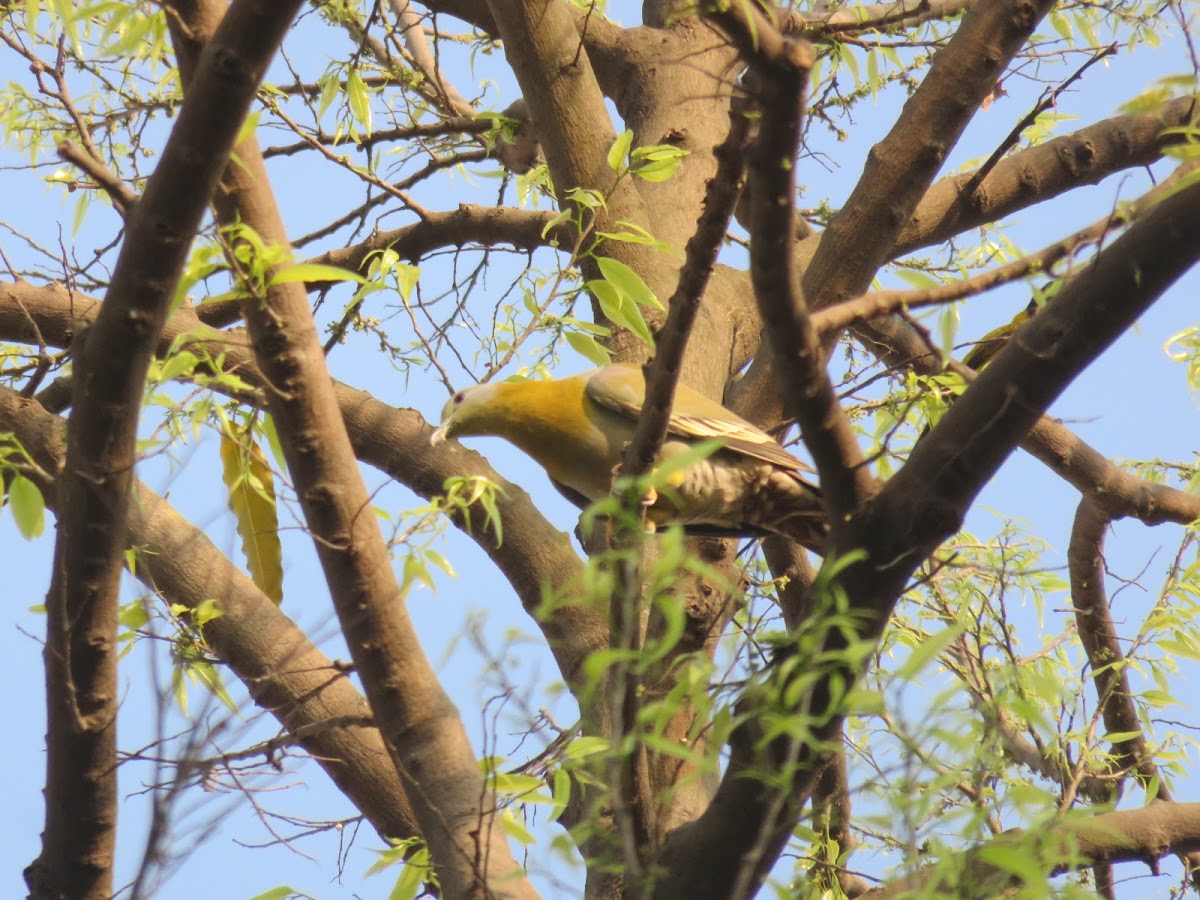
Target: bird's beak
(439,435)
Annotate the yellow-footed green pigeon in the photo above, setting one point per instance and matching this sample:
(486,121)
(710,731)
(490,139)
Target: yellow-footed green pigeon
(577,429)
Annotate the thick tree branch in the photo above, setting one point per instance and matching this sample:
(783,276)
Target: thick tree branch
(417,718)
(488,226)
(978,432)
(1098,634)
(110,372)
(873,17)
(900,168)
(1129,835)
(1122,493)
(877,303)
(1042,172)
(284,672)
(555,74)
(781,66)
(534,556)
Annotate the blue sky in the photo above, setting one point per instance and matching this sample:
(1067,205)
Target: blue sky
(1134,404)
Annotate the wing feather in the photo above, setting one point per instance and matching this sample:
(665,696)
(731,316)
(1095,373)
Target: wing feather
(621,388)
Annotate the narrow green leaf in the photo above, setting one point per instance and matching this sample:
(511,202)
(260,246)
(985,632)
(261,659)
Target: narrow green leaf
(28,506)
(251,486)
(278,893)
(585,746)
(305,272)
(619,151)
(360,102)
(926,651)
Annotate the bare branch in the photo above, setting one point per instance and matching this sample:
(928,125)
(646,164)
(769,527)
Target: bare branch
(487,226)
(121,194)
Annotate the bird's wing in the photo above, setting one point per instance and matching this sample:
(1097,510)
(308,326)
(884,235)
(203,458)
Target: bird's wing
(571,494)
(622,389)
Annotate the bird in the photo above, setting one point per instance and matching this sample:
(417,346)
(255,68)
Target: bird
(993,342)
(577,429)
(982,353)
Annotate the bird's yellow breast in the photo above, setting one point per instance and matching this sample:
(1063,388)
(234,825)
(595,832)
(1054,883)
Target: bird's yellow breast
(574,439)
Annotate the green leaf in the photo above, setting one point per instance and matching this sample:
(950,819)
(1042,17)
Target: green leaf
(657,171)
(1117,736)
(846,55)
(278,893)
(516,783)
(306,272)
(948,327)
(926,651)
(251,486)
(1062,25)
(406,278)
(586,745)
(620,309)
(360,101)
(918,279)
(28,506)
(267,425)
(589,348)
(562,793)
(586,198)
(630,234)
(330,86)
(555,222)
(211,678)
(619,151)
(249,127)
(1018,861)
(628,282)
(515,829)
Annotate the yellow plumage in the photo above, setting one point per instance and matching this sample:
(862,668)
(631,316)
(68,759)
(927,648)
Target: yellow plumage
(577,428)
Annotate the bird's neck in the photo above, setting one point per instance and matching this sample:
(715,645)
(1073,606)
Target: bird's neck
(531,413)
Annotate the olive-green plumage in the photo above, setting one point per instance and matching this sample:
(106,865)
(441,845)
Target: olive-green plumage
(577,429)
(993,342)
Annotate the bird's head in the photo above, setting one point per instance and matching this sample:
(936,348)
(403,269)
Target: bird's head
(465,413)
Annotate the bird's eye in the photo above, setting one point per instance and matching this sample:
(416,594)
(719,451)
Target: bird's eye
(459,397)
